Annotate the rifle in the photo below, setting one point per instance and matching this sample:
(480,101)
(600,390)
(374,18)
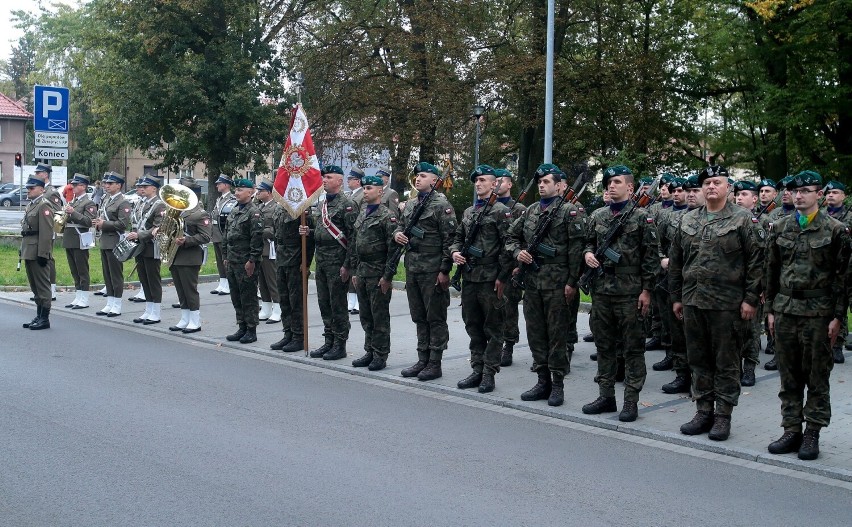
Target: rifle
(605,249)
(535,246)
(411,229)
(468,249)
(769,206)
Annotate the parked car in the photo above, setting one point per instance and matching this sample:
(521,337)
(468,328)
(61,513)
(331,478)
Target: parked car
(17,196)
(7,187)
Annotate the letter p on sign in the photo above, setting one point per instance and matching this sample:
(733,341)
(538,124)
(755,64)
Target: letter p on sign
(51,101)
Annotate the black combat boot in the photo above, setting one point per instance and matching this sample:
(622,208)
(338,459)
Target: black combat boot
(541,390)
(322,350)
(600,405)
(721,428)
(414,369)
(26,325)
(788,443)
(666,364)
(629,412)
(557,390)
(337,351)
(431,372)
(241,332)
(772,365)
(837,351)
(471,381)
(810,445)
(701,423)
(288,337)
(487,384)
(43,321)
(249,337)
(770,345)
(653,344)
(593,357)
(747,378)
(506,356)
(378,363)
(679,385)
(619,369)
(588,337)
(296,344)
(363,361)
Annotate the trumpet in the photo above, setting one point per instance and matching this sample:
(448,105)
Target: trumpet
(178,198)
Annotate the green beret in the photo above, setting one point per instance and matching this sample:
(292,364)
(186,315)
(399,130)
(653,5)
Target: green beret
(666,178)
(243,183)
(765,183)
(806,178)
(617,170)
(646,181)
(332,169)
(482,170)
(676,182)
(376,181)
(550,168)
(713,171)
(502,172)
(835,185)
(782,183)
(744,185)
(423,166)
(691,182)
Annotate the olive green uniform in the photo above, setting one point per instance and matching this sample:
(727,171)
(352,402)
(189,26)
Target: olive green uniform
(288,261)
(37,248)
(218,231)
(115,211)
(268,277)
(513,295)
(189,258)
(150,216)
(242,243)
(79,221)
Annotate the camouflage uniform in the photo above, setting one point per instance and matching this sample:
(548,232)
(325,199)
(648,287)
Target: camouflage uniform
(766,222)
(805,289)
(243,242)
(574,304)
(844,215)
(658,326)
(716,264)
(667,226)
(288,261)
(615,295)
(512,294)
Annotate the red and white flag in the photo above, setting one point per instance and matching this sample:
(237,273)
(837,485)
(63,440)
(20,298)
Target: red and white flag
(298,181)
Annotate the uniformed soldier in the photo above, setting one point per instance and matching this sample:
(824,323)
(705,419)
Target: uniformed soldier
(267,278)
(766,192)
(806,302)
(486,266)
(512,294)
(356,194)
(660,338)
(37,250)
(113,221)
(77,239)
(54,198)
(149,216)
(622,295)
(190,256)
(242,246)
(226,200)
(427,271)
(372,249)
(334,220)
(835,197)
(746,196)
(390,198)
(715,275)
(787,208)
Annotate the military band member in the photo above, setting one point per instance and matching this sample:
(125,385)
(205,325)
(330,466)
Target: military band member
(372,247)
(148,216)
(835,197)
(746,196)
(37,250)
(225,187)
(54,198)
(334,219)
(267,278)
(77,239)
(512,294)
(806,301)
(390,198)
(113,221)
(242,246)
(356,194)
(427,266)
(485,270)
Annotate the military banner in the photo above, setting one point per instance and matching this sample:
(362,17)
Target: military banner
(298,181)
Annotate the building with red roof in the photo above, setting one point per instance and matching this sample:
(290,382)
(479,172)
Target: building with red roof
(13,129)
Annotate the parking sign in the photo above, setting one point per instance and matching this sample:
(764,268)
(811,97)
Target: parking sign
(51,109)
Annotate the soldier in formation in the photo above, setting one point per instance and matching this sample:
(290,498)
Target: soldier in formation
(113,221)
(835,198)
(78,239)
(512,294)
(37,250)
(148,215)
(267,278)
(356,194)
(224,203)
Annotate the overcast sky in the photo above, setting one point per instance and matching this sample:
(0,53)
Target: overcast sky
(9,34)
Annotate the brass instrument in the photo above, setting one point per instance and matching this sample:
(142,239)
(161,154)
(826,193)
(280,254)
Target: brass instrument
(178,198)
(60,218)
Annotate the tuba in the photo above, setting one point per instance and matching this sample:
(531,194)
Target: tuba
(178,198)
(60,218)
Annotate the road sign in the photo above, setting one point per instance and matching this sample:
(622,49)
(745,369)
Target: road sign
(41,152)
(51,109)
(52,140)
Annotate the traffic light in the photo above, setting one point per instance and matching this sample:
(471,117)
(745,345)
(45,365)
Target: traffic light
(18,159)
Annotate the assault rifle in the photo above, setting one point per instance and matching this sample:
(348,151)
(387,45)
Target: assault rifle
(468,249)
(769,206)
(605,249)
(535,246)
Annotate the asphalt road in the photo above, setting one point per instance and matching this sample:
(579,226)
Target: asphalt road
(104,426)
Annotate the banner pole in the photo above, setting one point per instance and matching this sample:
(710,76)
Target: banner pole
(304,285)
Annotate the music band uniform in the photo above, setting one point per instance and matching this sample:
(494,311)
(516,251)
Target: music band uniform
(115,211)
(79,221)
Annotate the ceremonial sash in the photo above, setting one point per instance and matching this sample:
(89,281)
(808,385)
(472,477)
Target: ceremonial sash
(332,229)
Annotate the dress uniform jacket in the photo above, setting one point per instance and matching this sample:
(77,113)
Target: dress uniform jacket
(197,229)
(37,230)
(217,231)
(80,220)
(116,212)
(151,216)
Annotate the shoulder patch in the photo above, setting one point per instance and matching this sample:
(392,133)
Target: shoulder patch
(206,221)
(91,209)
(163,212)
(650,219)
(448,210)
(348,209)
(581,209)
(126,209)
(754,220)
(393,219)
(257,215)
(47,213)
(573,213)
(509,214)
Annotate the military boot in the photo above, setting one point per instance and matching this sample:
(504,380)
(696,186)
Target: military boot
(772,365)
(653,344)
(837,351)
(296,344)
(43,321)
(679,385)
(378,363)
(770,345)
(721,428)
(337,351)
(506,356)
(26,325)
(288,337)
(249,337)
(431,372)
(240,333)
(593,357)
(471,381)
(541,390)
(810,444)
(747,378)
(619,369)
(629,412)
(701,423)
(600,405)
(414,369)
(588,337)
(788,443)
(557,390)
(363,361)
(666,364)
(487,384)
(322,350)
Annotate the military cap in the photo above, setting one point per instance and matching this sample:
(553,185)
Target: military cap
(265,185)
(423,166)
(383,173)
(713,171)
(355,173)
(765,182)
(34,182)
(783,182)
(225,179)
(617,170)
(677,182)
(113,177)
(149,181)
(482,170)
(646,181)
(667,177)
(550,168)
(41,167)
(375,181)
(81,179)
(243,183)
(744,185)
(805,178)
(691,182)
(332,169)
(503,172)
(835,185)
(189,181)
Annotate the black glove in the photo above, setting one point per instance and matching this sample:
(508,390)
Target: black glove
(42,261)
